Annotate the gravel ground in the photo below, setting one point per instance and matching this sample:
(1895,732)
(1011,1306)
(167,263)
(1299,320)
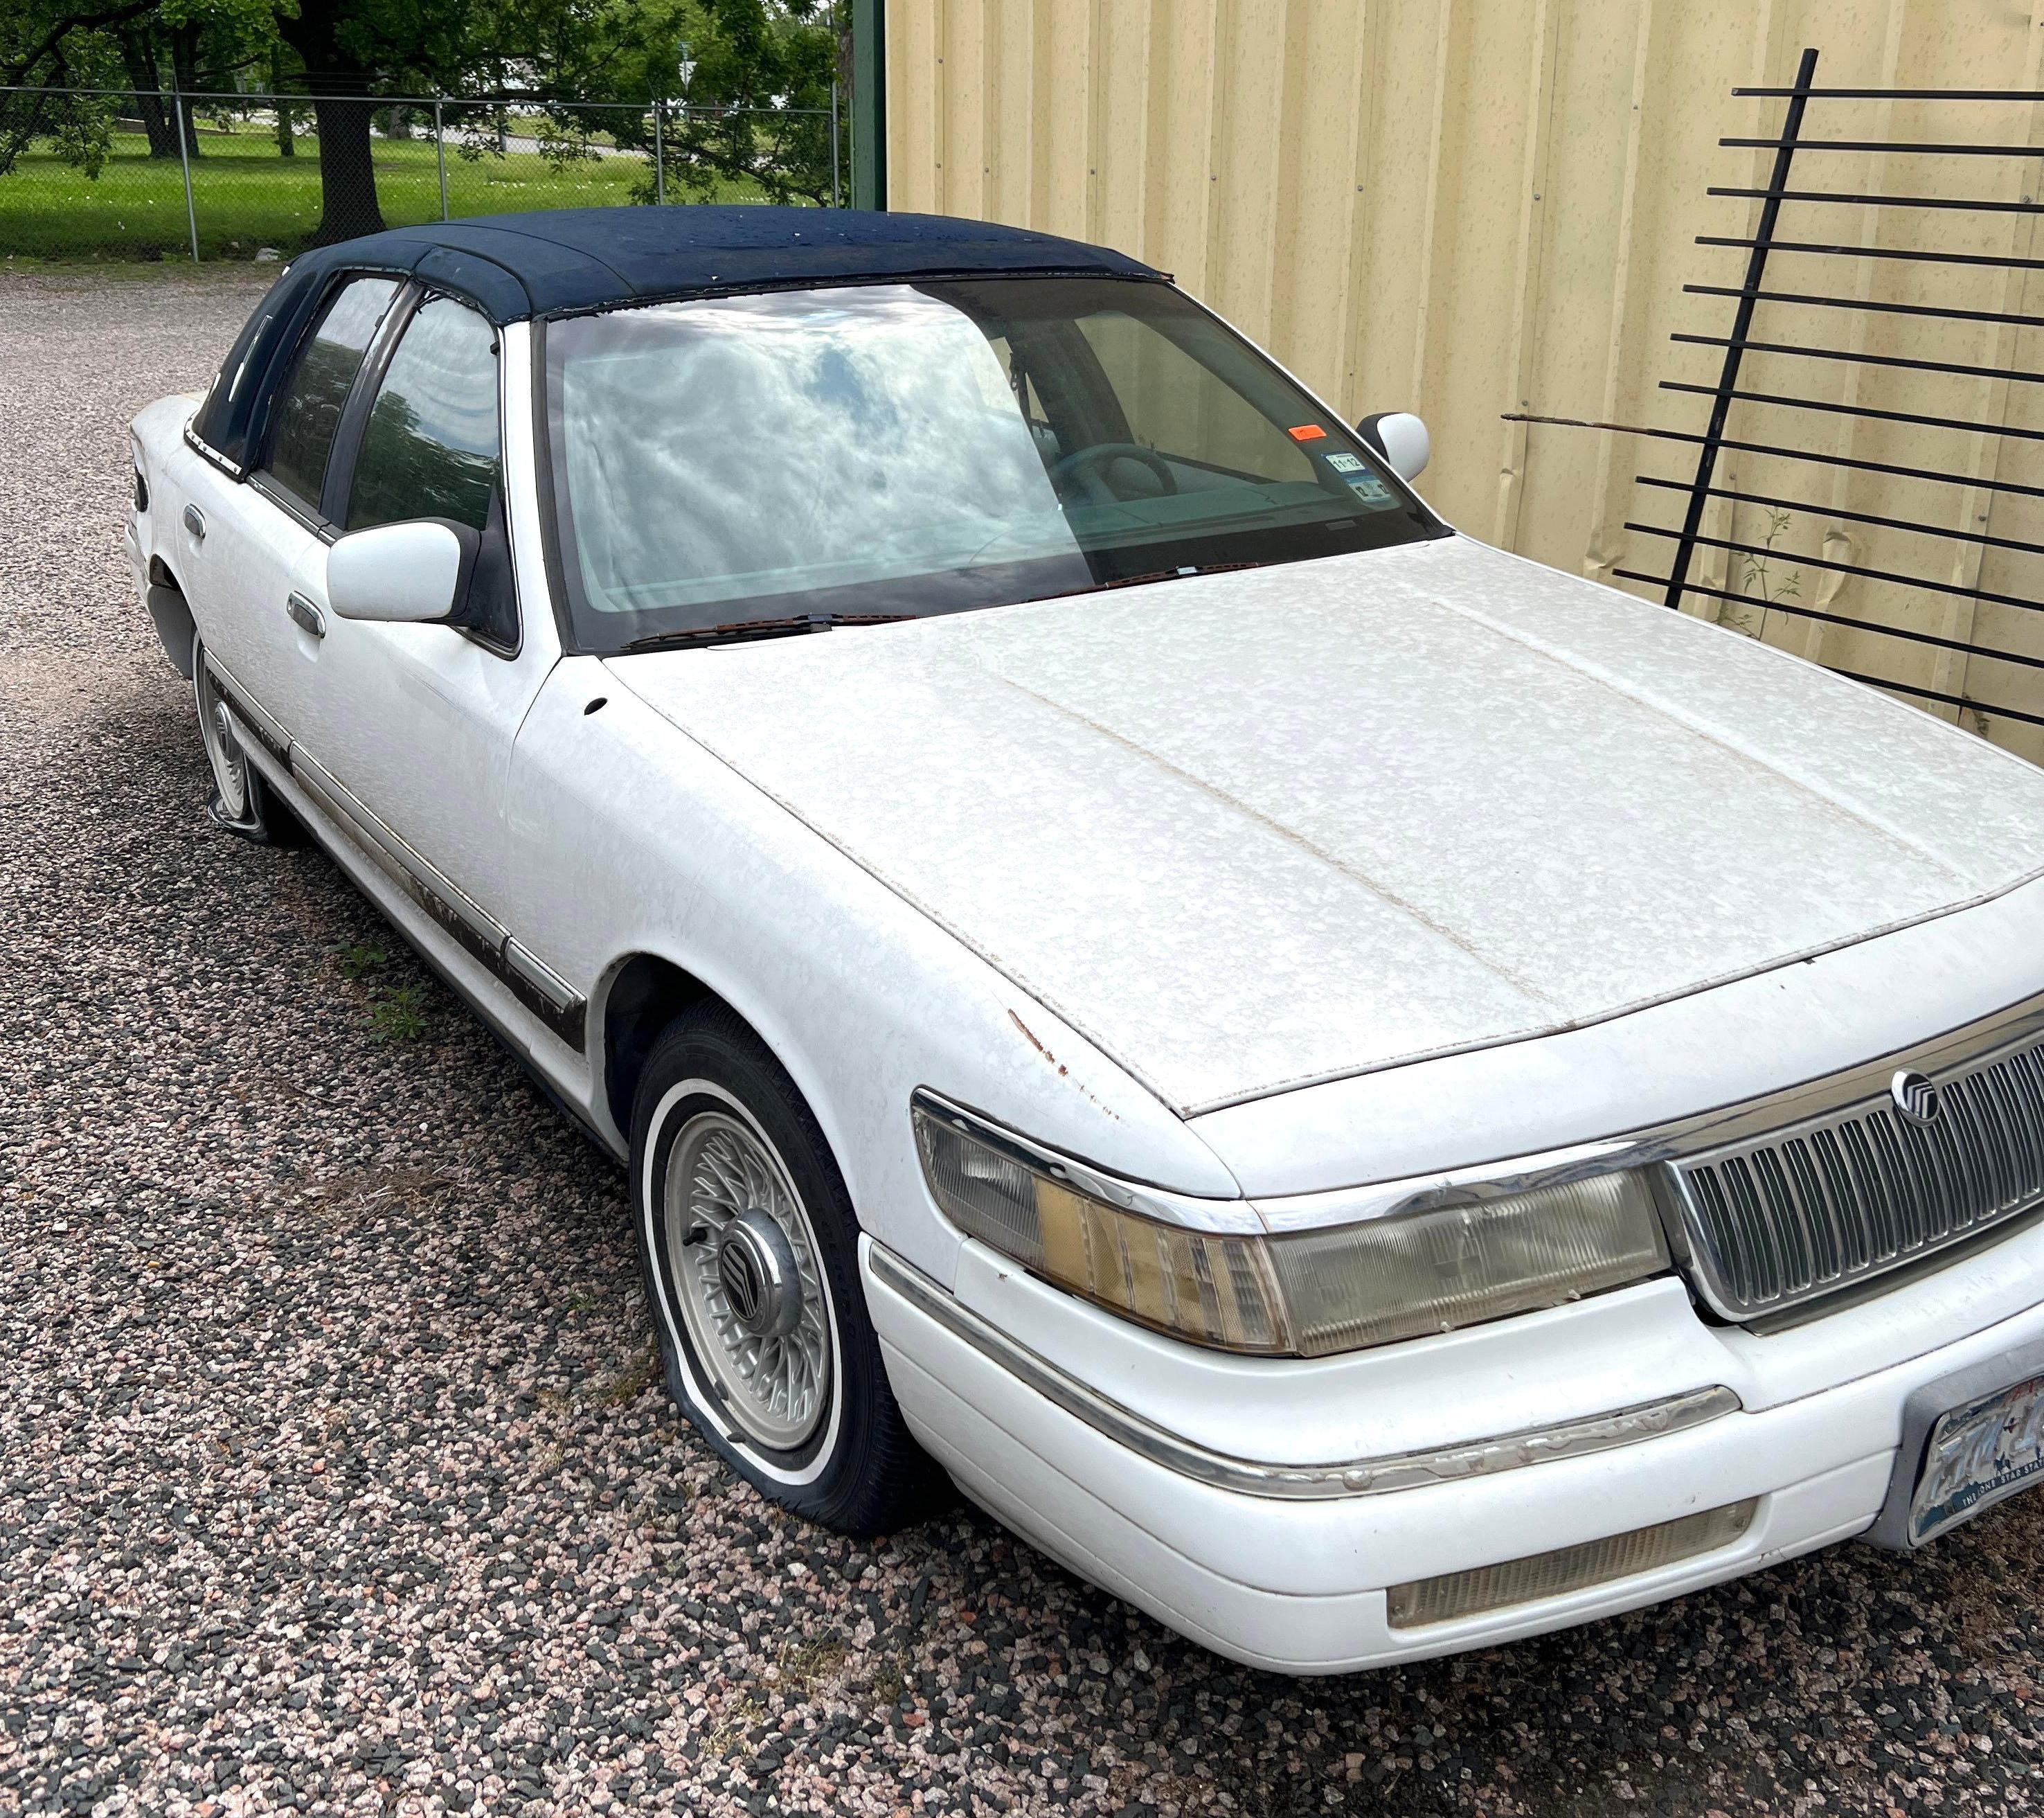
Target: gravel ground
(335,1471)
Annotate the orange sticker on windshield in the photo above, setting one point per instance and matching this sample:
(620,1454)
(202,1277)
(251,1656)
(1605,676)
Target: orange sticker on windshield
(1308,432)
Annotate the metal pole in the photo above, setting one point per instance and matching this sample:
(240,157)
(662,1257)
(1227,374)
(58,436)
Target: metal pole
(184,159)
(869,105)
(439,155)
(835,201)
(1756,264)
(659,154)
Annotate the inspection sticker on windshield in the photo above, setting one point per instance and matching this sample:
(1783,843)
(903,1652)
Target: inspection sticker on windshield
(1369,489)
(1345,463)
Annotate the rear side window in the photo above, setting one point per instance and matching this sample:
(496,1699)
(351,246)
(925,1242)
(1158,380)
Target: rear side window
(430,447)
(308,411)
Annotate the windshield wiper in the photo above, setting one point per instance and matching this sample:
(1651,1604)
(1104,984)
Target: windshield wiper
(743,628)
(1180,574)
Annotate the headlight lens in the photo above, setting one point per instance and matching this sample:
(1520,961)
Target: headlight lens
(1213,1289)
(1306,1294)
(1431,1272)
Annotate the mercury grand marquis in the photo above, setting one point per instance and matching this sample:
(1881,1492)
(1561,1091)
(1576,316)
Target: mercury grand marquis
(1366,1095)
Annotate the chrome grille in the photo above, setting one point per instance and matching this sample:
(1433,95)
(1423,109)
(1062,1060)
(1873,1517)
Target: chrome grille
(1796,1214)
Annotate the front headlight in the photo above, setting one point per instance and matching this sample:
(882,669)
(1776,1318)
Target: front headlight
(1307,1293)
(1211,1289)
(1420,1272)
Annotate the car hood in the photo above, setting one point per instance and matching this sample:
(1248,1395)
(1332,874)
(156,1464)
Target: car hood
(1254,831)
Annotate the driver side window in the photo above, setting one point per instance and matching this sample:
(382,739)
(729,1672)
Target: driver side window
(430,448)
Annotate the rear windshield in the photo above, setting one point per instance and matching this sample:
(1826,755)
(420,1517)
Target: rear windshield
(932,448)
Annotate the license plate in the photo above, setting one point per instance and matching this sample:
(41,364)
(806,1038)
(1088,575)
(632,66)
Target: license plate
(1977,1455)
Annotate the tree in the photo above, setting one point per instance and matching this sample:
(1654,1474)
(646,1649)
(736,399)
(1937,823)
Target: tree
(209,45)
(350,48)
(756,59)
(346,48)
(138,59)
(50,42)
(337,41)
(53,44)
(592,70)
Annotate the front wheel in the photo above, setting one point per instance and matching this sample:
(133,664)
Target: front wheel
(241,803)
(749,1248)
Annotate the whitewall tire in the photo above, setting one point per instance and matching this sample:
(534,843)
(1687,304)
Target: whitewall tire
(749,1245)
(241,803)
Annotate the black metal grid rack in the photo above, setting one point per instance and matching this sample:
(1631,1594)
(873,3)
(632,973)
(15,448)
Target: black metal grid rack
(1699,488)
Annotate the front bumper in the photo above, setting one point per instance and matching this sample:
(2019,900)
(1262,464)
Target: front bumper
(1300,1586)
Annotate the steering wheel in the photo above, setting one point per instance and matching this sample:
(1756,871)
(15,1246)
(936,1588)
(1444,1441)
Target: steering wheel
(1084,464)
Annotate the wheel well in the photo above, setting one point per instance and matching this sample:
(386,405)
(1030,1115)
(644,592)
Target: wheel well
(647,995)
(172,614)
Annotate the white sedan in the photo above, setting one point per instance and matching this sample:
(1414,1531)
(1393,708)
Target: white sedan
(1366,1095)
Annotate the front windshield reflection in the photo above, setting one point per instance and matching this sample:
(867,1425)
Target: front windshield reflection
(864,449)
(814,444)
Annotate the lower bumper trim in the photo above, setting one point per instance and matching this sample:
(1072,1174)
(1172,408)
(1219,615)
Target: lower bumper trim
(1454,1597)
(1359,1477)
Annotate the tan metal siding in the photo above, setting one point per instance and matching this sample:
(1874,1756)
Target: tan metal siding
(1468,207)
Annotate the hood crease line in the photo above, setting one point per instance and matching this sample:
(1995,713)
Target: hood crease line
(1289,836)
(1701,729)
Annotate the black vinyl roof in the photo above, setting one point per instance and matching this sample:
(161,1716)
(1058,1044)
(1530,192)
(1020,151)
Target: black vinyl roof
(568,261)
(516,266)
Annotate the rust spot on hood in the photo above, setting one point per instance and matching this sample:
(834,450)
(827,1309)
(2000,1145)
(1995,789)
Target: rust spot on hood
(1029,1036)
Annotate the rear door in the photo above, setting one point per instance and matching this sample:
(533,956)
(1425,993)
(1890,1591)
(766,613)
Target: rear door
(259,535)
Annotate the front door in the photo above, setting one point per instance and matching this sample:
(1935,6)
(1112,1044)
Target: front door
(414,724)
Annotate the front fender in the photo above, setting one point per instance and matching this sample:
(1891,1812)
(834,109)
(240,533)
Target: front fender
(638,841)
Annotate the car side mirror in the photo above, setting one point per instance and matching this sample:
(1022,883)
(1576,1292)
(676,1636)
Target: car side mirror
(1401,438)
(400,574)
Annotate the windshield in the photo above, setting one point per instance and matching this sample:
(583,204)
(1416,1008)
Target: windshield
(911,449)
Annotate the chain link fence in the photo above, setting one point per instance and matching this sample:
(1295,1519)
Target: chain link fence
(121,174)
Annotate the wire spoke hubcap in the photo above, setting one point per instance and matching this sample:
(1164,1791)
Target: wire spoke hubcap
(743,1260)
(223,748)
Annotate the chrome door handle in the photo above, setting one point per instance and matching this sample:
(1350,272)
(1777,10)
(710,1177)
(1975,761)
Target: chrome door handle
(306,616)
(195,522)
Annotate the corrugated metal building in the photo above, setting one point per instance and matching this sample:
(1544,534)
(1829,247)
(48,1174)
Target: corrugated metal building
(1471,208)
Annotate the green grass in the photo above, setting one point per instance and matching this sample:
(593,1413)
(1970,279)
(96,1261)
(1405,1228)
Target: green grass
(247,195)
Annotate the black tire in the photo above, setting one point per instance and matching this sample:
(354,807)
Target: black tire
(856,1468)
(240,801)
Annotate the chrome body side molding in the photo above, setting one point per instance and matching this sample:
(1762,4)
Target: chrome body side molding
(549,998)
(541,977)
(268,733)
(448,905)
(1246,1477)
